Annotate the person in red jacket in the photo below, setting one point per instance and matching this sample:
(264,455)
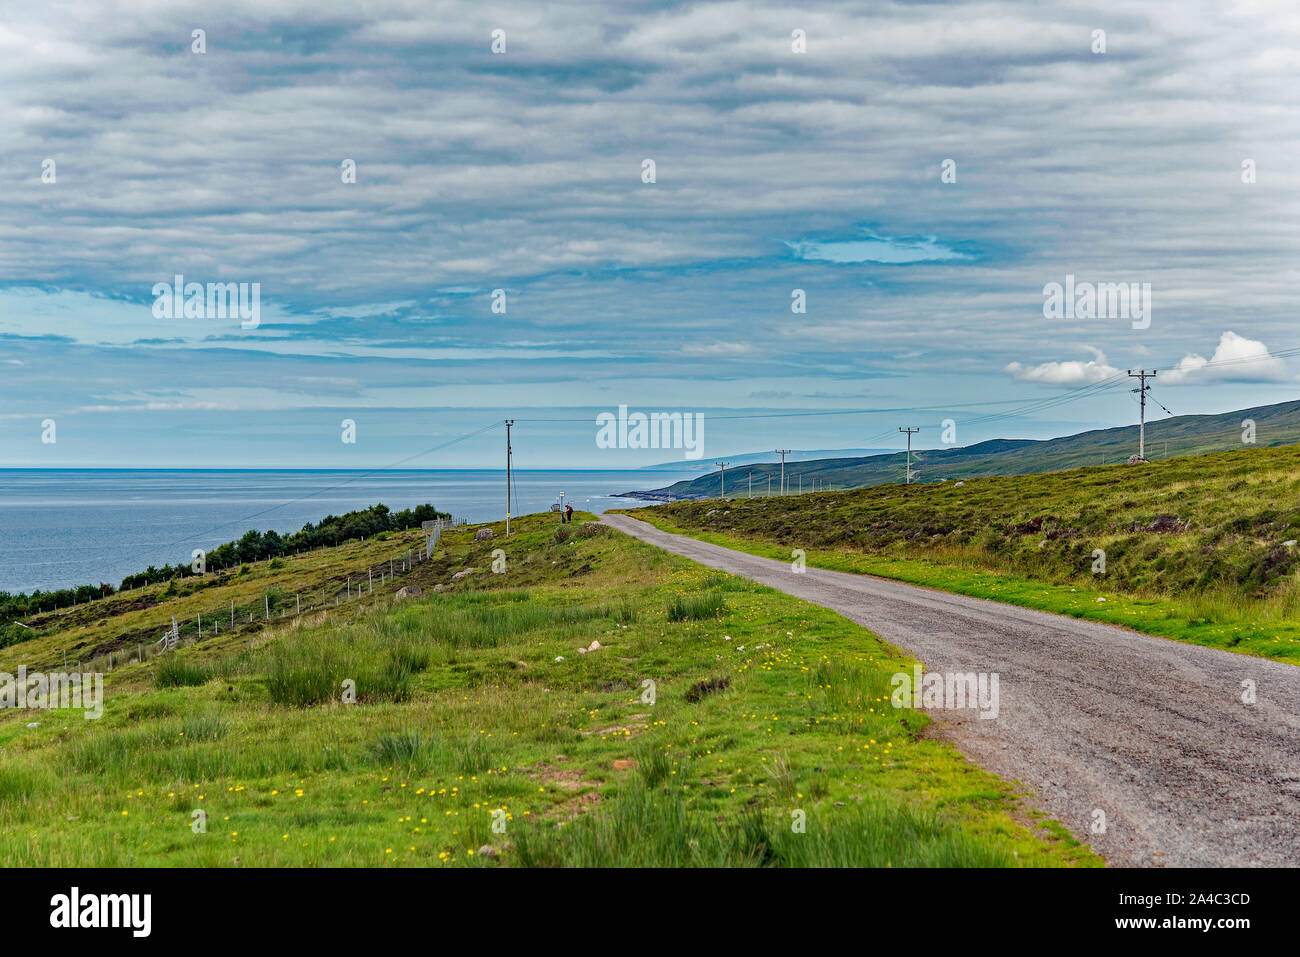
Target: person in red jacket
(568,513)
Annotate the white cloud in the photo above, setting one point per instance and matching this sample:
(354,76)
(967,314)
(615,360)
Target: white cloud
(1235,359)
(1070,372)
(707,350)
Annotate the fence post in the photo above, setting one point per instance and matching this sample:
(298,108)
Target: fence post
(370,580)
(232,613)
(200,617)
(297,600)
(266,601)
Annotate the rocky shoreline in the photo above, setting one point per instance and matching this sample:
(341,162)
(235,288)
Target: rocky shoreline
(658,495)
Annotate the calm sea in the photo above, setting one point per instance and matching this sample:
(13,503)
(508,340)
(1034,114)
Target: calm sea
(66,527)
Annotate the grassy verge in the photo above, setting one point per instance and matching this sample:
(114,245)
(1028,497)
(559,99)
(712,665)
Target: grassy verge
(711,722)
(1213,618)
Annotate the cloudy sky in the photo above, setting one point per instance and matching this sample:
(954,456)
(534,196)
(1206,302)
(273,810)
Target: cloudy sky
(126,158)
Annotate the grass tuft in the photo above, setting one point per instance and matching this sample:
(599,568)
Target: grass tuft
(696,607)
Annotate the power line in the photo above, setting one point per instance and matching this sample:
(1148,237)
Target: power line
(723,467)
(783,453)
(1142,375)
(815,412)
(910,433)
(1152,397)
(333,488)
(509,424)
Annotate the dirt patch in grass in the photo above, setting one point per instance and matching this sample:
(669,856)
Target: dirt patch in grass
(566,779)
(574,807)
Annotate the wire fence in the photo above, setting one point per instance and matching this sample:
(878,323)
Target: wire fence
(273,604)
(744,485)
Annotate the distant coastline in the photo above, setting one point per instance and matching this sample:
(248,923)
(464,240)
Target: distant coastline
(63,528)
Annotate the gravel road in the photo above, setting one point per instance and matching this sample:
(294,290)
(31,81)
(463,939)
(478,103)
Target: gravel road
(1152,732)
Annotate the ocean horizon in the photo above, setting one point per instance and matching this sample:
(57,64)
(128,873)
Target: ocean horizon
(62,527)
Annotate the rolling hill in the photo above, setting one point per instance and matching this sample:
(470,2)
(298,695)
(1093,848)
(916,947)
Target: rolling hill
(1275,425)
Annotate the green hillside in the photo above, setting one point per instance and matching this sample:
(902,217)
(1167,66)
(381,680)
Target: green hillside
(1275,425)
(1200,548)
(704,714)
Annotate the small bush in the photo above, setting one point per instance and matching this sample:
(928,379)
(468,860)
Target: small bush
(12,634)
(700,689)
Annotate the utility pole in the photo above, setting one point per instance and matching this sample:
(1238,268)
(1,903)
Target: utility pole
(783,453)
(509,424)
(1142,375)
(723,466)
(910,433)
